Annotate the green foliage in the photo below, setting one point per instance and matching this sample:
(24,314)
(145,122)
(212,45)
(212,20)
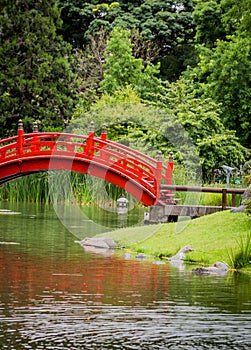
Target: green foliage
(88,65)
(201,117)
(248,206)
(120,67)
(247,173)
(237,16)
(223,69)
(242,257)
(36,79)
(128,121)
(169,27)
(224,75)
(207,17)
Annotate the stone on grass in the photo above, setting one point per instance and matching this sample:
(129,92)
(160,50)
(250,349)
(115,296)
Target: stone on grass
(242,207)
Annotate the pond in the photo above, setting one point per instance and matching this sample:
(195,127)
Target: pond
(55,295)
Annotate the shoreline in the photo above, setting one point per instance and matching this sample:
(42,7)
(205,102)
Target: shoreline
(212,237)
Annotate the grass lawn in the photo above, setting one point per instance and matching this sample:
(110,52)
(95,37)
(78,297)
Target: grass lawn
(211,236)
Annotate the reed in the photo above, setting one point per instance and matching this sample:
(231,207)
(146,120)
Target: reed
(241,257)
(62,186)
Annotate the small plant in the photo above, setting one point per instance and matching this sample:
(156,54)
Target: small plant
(242,257)
(247,173)
(247,203)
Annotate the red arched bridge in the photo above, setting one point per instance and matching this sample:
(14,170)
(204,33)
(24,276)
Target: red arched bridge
(129,169)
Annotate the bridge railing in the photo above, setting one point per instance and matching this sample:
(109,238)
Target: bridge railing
(120,158)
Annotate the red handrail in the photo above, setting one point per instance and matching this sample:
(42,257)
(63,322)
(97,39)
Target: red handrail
(118,158)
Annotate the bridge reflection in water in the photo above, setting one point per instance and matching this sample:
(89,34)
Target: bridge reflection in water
(54,295)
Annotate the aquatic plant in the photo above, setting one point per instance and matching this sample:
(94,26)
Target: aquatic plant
(62,186)
(241,257)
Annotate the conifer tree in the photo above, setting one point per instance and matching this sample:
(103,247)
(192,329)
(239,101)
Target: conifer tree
(36,79)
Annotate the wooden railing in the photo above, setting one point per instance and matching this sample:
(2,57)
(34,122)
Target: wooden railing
(223,191)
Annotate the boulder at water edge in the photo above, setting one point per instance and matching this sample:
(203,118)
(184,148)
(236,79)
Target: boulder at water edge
(99,242)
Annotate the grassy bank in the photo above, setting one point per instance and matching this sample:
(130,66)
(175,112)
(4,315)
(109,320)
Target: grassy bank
(213,237)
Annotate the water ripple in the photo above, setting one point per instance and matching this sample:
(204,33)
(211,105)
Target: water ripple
(60,326)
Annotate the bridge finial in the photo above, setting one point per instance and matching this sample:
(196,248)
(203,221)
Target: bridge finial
(92,126)
(20,124)
(170,157)
(159,156)
(103,130)
(35,126)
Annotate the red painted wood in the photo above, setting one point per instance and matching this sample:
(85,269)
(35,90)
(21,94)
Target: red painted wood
(129,169)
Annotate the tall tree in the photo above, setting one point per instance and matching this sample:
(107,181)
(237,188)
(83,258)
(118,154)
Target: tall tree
(223,70)
(207,17)
(166,23)
(121,68)
(36,79)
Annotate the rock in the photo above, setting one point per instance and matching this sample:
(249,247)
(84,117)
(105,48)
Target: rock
(239,209)
(181,253)
(158,262)
(246,196)
(127,256)
(218,269)
(99,242)
(141,256)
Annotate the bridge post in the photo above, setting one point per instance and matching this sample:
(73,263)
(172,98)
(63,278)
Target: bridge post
(20,137)
(103,133)
(34,137)
(90,141)
(169,172)
(158,174)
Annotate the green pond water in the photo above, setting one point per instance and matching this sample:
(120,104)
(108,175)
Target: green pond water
(56,295)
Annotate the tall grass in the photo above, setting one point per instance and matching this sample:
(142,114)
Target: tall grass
(241,257)
(33,188)
(62,186)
